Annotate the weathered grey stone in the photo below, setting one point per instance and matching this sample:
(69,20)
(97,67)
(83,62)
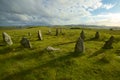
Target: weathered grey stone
(57,31)
(26,43)
(7,39)
(29,34)
(49,48)
(61,31)
(49,32)
(97,35)
(82,35)
(79,47)
(108,44)
(40,35)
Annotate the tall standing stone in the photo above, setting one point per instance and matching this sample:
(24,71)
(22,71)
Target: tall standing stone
(97,35)
(29,34)
(57,31)
(7,39)
(82,35)
(60,30)
(49,32)
(79,47)
(108,44)
(26,43)
(40,35)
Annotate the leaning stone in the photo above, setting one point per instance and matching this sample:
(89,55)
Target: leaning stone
(26,43)
(7,39)
(108,44)
(97,35)
(40,35)
(82,35)
(49,48)
(79,47)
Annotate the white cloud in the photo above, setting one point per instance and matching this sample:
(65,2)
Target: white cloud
(108,6)
(49,11)
(110,19)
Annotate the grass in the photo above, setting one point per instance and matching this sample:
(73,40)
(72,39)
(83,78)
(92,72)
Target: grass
(18,63)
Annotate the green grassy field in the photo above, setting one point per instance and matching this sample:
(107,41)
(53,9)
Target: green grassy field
(18,63)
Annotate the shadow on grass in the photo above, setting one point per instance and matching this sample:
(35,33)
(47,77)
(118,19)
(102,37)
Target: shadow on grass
(63,61)
(102,39)
(97,52)
(1,44)
(64,43)
(102,59)
(93,39)
(5,50)
(22,56)
(117,52)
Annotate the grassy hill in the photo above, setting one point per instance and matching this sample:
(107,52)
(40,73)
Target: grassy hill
(18,63)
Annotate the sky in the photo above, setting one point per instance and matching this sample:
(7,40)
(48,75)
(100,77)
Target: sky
(59,12)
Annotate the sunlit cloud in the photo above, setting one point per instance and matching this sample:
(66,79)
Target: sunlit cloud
(108,6)
(52,12)
(110,19)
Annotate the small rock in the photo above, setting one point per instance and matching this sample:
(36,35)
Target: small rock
(49,48)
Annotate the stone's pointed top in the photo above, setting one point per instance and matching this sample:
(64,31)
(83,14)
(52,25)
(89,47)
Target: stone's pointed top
(97,35)
(7,39)
(112,38)
(82,35)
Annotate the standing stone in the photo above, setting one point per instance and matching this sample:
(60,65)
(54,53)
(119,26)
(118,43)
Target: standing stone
(49,32)
(60,30)
(82,35)
(29,34)
(108,44)
(79,47)
(57,31)
(40,35)
(26,43)
(7,39)
(97,35)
